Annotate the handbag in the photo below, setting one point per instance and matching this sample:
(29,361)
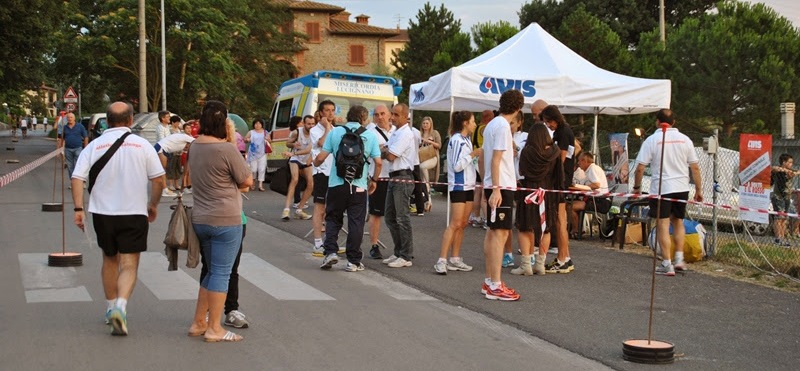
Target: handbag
(426,153)
(101,163)
(178,229)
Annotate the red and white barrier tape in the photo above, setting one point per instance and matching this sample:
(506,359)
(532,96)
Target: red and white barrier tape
(620,195)
(16,174)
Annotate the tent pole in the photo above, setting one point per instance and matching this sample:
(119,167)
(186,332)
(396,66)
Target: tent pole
(450,120)
(595,150)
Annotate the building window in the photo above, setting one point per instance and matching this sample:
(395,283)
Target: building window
(357,57)
(312,30)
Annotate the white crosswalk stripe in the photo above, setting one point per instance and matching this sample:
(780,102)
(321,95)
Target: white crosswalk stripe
(45,284)
(276,282)
(165,285)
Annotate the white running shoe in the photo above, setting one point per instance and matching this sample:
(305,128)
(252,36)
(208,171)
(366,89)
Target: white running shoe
(389,259)
(400,263)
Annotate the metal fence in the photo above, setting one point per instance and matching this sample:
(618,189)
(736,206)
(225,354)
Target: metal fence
(731,240)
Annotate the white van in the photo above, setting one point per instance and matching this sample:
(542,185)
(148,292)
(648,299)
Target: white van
(300,97)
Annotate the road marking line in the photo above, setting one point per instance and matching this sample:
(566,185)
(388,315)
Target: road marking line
(45,284)
(165,285)
(276,282)
(395,289)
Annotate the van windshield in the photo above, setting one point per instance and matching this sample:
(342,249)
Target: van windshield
(343,104)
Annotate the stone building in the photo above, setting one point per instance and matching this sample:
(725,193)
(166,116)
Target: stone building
(336,43)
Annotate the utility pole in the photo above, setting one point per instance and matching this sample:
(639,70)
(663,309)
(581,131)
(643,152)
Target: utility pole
(163,59)
(142,61)
(662,24)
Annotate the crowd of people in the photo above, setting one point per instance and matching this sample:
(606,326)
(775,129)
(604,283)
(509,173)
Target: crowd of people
(366,169)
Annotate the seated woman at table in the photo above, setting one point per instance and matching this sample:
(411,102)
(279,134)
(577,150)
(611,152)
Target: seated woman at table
(594,180)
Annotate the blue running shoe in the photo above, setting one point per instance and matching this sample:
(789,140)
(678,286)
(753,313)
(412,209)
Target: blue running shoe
(508,260)
(119,322)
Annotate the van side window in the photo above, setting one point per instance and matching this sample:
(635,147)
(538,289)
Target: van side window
(284,113)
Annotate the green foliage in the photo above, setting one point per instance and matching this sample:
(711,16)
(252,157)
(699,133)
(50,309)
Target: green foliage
(628,18)
(735,79)
(594,40)
(415,63)
(489,35)
(228,50)
(24,44)
(453,52)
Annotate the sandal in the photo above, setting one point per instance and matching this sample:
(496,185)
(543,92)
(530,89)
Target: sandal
(196,334)
(261,189)
(229,336)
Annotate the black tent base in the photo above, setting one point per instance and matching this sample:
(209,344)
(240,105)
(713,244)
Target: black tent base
(52,206)
(648,351)
(66,259)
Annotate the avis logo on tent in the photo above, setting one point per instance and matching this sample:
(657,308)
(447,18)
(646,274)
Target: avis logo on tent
(499,86)
(419,96)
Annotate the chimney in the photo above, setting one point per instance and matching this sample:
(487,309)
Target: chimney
(787,120)
(362,19)
(342,16)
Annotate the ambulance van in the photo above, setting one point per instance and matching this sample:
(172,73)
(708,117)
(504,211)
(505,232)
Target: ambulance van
(300,97)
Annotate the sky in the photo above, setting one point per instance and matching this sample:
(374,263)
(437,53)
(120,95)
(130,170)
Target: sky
(386,13)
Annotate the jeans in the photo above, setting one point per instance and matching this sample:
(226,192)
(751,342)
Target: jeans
(70,157)
(340,199)
(398,218)
(232,300)
(220,246)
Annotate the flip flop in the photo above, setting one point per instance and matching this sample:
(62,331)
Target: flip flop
(196,334)
(261,189)
(229,336)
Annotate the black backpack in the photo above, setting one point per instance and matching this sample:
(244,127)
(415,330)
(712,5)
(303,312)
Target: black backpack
(350,158)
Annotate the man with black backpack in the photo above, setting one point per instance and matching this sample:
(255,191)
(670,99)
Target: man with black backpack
(348,185)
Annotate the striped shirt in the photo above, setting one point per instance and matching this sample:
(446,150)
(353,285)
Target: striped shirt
(461,170)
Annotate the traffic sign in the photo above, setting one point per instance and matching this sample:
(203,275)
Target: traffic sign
(70,107)
(70,96)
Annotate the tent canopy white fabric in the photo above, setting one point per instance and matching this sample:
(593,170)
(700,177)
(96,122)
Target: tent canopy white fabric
(541,67)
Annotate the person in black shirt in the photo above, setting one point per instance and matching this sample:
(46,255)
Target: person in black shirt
(565,140)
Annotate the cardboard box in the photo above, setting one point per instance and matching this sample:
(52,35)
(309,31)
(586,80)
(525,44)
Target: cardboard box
(633,233)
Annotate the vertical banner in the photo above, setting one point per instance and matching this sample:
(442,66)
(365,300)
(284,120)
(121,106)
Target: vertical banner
(754,175)
(619,158)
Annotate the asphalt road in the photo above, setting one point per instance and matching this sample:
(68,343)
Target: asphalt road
(563,321)
(301,318)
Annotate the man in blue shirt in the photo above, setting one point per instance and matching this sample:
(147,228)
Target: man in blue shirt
(73,138)
(348,196)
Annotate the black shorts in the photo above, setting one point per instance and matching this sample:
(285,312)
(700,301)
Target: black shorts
(502,215)
(600,204)
(457,197)
(320,190)
(377,200)
(669,208)
(126,234)
(299,165)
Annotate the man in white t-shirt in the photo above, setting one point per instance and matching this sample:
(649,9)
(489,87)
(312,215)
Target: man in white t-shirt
(593,179)
(318,134)
(120,207)
(400,154)
(377,200)
(499,182)
(162,129)
(169,146)
(679,159)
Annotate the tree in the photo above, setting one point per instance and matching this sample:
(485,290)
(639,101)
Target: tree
(728,80)
(594,40)
(628,18)
(234,56)
(415,62)
(24,43)
(488,35)
(453,52)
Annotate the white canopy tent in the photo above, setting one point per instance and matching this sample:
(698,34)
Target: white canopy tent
(541,67)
